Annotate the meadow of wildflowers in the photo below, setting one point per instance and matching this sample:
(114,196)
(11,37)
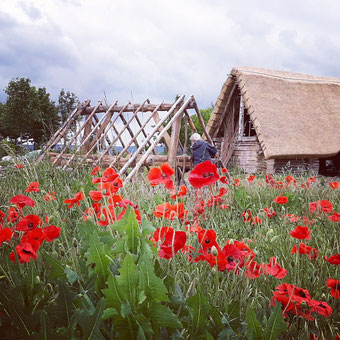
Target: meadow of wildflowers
(221,256)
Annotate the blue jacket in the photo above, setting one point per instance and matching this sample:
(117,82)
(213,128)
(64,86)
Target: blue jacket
(202,151)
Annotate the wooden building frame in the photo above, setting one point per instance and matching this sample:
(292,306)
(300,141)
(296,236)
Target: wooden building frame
(274,121)
(137,126)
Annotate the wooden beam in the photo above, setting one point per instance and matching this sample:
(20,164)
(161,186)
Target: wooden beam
(146,154)
(132,108)
(77,133)
(167,138)
(112,125)
(200,118)
(175,130)
(63,129)
(136,135)
(174,106)
(231,95)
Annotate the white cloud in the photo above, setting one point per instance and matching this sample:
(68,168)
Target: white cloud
(158,49)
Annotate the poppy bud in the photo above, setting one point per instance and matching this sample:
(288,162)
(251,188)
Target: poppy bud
(270,231)
(37,279)
(213,269)
(54,253)
(304,303)
(61,252)
(214,251)
(231,241)
(274,238)
(75,243)
(102,217)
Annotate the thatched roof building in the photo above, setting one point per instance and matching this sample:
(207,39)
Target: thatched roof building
(265,119)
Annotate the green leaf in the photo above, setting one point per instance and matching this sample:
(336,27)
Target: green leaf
(199,308)
(152,285)
(97,255)
(234,315)
(90,324)
(162,316)
(57,268)
(71,276)
(254,326)
(109,313)
(128,279)
(147,228)
(276,324)
(125,309)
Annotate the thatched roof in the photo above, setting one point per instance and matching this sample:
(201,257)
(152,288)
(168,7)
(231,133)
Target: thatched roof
(294,115)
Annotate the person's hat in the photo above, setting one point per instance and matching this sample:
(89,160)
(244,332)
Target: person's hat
(194,137)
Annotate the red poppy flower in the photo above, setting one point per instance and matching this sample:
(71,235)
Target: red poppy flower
(334,185)
(95,170)
(5,235)
(335,287)
(51,232)
(159,234)
(2,215)
(233,256)
(21,201)
(326,206)
(305,249)
(13,215)
(256,220)
(300,232)
(76,200)
(334,259)
(109,175)
(290,180)
(323,205)
(236,182)
(224,206)
(207,238)
(269,179)
(33,187)
(274,269)
(168,211)
(49,196)
(269,212)
(116,185)
(106,216)
(281,199)
(320,307)
(224,180)
(246,216)
(335,217)
(246,252)
(181,193)
(251,178)
(224,171)
(254,269)
(28,223)
(96,195)
(161,175)
(173,242)
(203,174)
(25,252)
(19,166)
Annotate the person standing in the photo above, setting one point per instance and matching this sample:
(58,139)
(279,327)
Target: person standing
(201,150)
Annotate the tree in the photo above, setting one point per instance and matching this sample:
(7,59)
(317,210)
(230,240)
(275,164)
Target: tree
(67,102)
(28,113)
(199,129)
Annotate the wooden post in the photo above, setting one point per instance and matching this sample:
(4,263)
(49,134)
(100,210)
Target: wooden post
(175,131)
(167,138)
(63,130)
(76,134)
(174,106)
(200,118)
(87,132)
(159,137)
(241,120)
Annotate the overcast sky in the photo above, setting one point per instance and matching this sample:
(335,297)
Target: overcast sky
(156,49)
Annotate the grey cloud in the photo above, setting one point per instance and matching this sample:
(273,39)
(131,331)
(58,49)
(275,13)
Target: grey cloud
(32,11)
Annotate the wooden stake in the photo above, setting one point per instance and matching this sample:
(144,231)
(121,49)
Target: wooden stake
(146,154)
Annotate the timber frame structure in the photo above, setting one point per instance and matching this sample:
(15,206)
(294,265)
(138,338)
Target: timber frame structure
(274,121)
(133,131)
